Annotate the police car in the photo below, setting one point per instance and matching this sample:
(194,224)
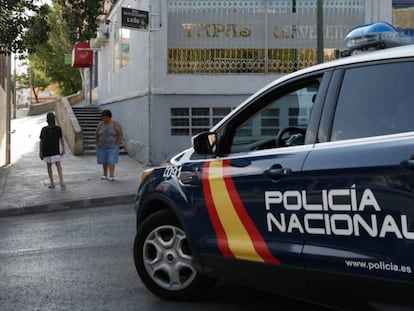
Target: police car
(306,189)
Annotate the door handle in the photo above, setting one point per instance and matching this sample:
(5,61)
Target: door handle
(408,164)
(277,171)
(190,178)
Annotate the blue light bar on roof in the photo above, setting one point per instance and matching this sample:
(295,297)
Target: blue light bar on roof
(374,36)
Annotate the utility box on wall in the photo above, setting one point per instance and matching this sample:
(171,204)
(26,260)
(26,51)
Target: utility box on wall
(82,55)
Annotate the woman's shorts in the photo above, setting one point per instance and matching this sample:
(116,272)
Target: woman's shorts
(53,159)
(107,155)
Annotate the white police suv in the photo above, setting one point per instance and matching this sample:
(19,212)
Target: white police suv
(306,189)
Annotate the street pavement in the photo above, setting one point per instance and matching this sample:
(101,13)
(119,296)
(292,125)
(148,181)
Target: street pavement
(23,183)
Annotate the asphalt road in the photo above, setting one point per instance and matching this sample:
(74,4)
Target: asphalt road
(82,260)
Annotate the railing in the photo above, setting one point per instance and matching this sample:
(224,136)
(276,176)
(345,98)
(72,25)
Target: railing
(260,36)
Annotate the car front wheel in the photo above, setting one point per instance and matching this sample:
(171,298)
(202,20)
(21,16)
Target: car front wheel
(163,259)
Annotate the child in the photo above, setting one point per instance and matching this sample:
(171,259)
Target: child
(50,136)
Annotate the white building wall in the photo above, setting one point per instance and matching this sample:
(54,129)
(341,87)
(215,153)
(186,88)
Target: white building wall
(378,10)
(129,81)
(141,94)
(3,127)
(163,144)
(126,91)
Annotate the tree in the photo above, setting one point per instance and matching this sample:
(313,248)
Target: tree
(47,41)
(14,18)
(77,21)
(52,33)
(38,29)
(33,81)
(81,17)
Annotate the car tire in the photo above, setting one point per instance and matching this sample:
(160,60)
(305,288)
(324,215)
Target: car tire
(163,259)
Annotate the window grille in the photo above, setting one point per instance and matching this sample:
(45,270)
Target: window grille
(270,122)
(260,36)
(191,121)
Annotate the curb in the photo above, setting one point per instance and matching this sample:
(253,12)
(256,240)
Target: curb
(67,205)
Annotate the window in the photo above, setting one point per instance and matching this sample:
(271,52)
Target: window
(375,100)
(122,49)
(191,121)
(262,129)
(254,36)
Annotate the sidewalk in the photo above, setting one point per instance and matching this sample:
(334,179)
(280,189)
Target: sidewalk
(23,183)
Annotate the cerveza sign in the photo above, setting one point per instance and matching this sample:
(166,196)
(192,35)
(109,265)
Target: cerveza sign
(134,18)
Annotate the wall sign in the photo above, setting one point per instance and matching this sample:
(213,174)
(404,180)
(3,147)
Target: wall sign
(136,19)
(82,55)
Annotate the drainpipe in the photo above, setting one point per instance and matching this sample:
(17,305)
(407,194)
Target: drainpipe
(319,27)
(14,88)
(90,85)
(150,72)
(149,90)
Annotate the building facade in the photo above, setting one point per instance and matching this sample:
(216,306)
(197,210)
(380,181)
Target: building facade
(3,112)
(169,69)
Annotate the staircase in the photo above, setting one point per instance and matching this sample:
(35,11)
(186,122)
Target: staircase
(88,119)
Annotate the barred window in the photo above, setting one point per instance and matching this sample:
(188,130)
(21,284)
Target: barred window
(219,113)
(255,36)
(180,122)
(293,116)
(270,122)
(191,121)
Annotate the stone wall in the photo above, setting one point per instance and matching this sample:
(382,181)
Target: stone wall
(68,122)
(3,127)
(40,108)
(44,107)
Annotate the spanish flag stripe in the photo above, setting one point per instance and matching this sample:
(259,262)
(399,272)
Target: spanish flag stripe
(218,228)
(239,240)
(257,239)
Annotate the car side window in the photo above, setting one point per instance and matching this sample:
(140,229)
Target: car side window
(289,111)
(375,100)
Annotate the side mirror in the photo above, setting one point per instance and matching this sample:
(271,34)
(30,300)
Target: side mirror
(205,143)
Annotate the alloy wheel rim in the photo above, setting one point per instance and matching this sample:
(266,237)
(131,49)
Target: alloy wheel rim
(167,258)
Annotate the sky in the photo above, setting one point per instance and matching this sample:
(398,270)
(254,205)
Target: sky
(45,2)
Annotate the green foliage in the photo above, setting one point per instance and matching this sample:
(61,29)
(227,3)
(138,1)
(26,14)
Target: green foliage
(33,80)
(22,81)
(50,56)
(52,33)
(14,18)
(81,17)
(38,28)
(47,34)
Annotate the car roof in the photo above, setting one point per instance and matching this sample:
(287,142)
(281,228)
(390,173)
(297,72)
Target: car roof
(390,53)
(385,54)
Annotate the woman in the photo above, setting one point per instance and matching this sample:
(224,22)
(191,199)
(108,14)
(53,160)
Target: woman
(108,137)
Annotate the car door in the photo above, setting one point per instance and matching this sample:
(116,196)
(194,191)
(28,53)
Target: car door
(243,190)
(359,189)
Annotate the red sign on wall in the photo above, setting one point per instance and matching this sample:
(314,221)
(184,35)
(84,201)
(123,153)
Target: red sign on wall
(82,55)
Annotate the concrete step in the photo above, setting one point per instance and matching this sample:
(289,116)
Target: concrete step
(88,127)
(88,118)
